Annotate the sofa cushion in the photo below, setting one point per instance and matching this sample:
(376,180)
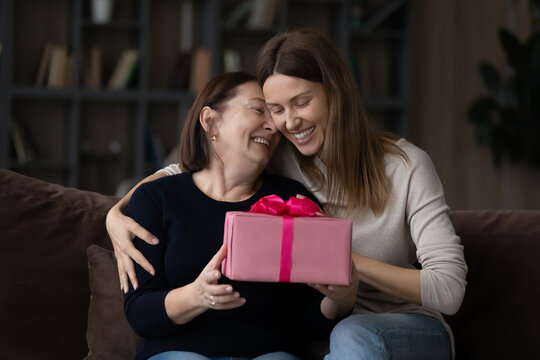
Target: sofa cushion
(499,315)
(110,336)
(45,230)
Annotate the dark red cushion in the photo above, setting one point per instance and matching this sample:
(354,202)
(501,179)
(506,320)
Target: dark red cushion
(45,230)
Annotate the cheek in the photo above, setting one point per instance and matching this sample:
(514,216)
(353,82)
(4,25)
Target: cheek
(279,122)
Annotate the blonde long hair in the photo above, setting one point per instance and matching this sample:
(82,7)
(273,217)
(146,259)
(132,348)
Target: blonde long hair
(353,150)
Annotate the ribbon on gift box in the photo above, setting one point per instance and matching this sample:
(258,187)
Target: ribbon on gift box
(294,207)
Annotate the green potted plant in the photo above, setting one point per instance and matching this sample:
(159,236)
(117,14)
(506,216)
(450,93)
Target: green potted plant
(507,118)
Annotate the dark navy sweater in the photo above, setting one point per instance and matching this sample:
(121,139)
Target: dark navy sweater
(189,225)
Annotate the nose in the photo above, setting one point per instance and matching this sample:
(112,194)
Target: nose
(269,124)
(292,121)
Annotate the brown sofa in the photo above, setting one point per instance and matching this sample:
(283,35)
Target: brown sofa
(61,298)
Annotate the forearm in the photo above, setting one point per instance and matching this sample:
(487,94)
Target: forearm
(393,280)
(123,203)
(181,306)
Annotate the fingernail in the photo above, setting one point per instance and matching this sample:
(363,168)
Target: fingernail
(228,288)
(216,274)
(152,272)
(236,294)
(242,300)
(154,241)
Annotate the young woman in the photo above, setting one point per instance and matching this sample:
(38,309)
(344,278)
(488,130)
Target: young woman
(406,253)
(187,311)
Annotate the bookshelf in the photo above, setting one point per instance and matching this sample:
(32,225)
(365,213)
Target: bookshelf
(88,136)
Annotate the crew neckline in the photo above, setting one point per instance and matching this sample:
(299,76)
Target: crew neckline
(257,195)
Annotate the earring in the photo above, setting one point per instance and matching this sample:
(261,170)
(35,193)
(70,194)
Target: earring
(213,138)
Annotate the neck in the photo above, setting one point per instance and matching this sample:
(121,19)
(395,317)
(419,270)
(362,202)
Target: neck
(227,183)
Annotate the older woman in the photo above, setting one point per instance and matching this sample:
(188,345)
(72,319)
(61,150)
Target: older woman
(187,309)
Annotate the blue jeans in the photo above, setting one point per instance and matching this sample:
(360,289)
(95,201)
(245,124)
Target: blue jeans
(185,355)
(389,336)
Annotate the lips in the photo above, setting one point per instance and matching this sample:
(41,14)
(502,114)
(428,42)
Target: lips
(261,140)
(304,134)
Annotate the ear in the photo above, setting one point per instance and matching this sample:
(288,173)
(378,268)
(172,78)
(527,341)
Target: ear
(206,118)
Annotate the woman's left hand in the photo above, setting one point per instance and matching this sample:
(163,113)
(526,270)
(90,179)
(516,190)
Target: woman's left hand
(339,299)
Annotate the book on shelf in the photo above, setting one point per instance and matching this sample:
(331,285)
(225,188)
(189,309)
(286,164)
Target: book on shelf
(124,69)
(271,10)
(91,67)
(200,69)
(69,71)
(180,75)
(57,66)
(44,64)
(262,14)
(22,145)
(238,15)
(232,60)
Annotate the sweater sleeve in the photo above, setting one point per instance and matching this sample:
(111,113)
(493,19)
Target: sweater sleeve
(172,169)
(439,249)
(145,307)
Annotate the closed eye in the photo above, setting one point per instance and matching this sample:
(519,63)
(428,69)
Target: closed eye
(277,111)
(303,103)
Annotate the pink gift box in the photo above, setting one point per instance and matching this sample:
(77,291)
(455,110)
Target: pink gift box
(270,248)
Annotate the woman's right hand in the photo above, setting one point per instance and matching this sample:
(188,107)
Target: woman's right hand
(185,303)
(122,230)
(211,294)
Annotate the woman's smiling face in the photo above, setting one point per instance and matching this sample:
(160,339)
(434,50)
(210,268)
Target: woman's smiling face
(299,109)
(246,132)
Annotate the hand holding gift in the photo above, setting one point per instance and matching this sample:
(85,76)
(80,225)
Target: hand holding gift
(185,303)
(209,292)
(340,299)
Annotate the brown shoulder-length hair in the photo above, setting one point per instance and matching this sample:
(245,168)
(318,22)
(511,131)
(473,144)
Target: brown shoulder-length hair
(194,152)
(353,150)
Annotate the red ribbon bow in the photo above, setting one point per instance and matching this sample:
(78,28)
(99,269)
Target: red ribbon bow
(294,207)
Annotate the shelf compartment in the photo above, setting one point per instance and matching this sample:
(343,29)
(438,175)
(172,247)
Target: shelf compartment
(22,91)
(106,144)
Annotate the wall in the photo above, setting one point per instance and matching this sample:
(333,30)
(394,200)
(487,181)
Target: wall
(450,38)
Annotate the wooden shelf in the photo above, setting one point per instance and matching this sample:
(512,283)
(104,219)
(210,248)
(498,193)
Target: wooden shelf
(383,103)
(31,92)
(41,165)
(128,25)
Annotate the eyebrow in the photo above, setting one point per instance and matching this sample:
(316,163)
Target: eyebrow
(294,98)
(257,99)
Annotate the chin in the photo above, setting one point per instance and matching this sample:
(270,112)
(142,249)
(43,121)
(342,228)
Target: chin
(306,150)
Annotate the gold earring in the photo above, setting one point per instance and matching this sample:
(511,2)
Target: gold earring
(213,138)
